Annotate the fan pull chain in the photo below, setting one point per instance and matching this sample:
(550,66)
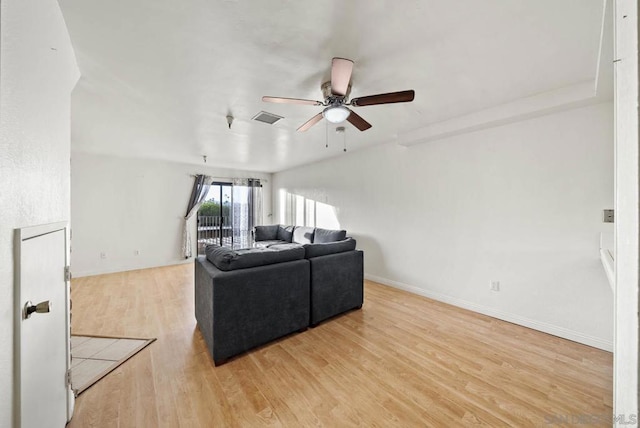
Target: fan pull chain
(341,130)
(326,134)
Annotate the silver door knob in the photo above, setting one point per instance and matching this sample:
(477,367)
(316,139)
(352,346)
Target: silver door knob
(40,308)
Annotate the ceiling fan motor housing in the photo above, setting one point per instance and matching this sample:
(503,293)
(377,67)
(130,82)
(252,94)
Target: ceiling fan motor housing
(329,97)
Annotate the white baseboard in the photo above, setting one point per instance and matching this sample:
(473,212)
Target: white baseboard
(126,268)
(555,330)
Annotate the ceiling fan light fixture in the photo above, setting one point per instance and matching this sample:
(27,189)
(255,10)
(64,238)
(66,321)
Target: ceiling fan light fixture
(336,114)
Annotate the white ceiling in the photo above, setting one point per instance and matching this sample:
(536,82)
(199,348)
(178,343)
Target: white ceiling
(159,76)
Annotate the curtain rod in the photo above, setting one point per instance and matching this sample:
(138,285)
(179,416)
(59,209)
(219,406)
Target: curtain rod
(231,178)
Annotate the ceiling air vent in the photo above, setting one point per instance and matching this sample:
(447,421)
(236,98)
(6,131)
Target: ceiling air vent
(265,117)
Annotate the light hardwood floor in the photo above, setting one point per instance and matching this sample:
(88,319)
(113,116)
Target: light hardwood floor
(403,360)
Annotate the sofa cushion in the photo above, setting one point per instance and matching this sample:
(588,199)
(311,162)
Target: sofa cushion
(281,245)
(269,243)
(285,233)
(266,233)
(303,234)
(324,248)
(227,259)
(327,235)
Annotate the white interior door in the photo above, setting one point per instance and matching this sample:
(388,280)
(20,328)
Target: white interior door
(42,350)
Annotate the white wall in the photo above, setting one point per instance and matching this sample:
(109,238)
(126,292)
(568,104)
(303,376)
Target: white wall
(37,74)
(122,205)
(521,204)
(627,174)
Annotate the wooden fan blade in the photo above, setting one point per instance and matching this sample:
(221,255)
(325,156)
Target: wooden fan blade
(358,121)
(290,101)
(389,98)
(309,123)
(341,69)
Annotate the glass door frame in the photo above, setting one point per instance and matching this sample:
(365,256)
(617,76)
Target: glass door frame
(221,226)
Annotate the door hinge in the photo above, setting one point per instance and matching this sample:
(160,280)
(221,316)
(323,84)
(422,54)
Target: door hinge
(69,377)
(67,273)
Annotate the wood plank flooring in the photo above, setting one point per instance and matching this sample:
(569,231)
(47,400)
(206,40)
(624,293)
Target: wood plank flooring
(403,360)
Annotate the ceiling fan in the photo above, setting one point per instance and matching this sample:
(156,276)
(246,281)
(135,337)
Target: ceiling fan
(336,93)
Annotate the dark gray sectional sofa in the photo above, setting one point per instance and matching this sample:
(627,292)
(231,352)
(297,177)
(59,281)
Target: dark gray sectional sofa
(293,278)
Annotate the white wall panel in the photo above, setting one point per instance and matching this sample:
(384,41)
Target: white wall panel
(120,206)
(37,73)
(520,204)
(627,214)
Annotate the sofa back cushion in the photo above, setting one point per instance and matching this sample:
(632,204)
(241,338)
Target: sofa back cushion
(303,234)
(326,235)
(325,248)
(227,259)
(266,233)
(285,233)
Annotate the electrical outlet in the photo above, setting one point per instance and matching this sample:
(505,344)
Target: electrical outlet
(494,285)
(103,255)
(136,252)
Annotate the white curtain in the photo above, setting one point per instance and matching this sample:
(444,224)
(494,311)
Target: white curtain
(199,192)
(247,210)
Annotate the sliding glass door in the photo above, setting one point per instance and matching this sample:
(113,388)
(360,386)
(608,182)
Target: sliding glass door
(228,214)
(215,221)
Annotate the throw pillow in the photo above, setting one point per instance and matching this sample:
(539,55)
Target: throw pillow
(326,248)
(303,235)
(285,233)
(326,235)
(266,233)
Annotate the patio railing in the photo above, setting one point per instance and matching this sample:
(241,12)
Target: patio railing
(219,231)
(211,228)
